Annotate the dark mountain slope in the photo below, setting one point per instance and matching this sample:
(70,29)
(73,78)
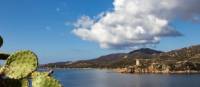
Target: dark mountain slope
(145,51)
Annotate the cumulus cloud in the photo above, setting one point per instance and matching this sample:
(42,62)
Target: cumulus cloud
(134,23)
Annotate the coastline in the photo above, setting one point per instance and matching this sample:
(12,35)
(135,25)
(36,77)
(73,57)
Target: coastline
(124,71)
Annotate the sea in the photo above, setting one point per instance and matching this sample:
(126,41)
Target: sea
(109,78)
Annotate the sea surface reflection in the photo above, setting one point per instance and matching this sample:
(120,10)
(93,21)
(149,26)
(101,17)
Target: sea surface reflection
(108,78)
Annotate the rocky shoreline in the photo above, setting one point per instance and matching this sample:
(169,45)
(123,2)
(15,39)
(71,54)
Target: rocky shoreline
(142,66)
(125,70)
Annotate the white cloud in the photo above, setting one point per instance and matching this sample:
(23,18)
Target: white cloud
(134,23)
(85,22)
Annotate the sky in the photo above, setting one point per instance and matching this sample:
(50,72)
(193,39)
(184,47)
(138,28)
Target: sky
(62,30)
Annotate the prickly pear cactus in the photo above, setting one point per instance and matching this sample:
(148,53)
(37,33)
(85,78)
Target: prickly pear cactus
(42,79)
(14,83)
(1,41)
(20,64)
(4,56)
(36,74)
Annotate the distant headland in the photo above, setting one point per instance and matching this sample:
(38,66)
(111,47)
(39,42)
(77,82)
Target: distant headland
(145,60)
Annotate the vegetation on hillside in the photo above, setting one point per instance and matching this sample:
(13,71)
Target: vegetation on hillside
(121,60)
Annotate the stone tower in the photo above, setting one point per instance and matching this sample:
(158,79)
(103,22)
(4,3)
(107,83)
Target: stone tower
(137,62)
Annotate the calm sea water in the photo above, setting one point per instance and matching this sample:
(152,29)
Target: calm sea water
(107,78)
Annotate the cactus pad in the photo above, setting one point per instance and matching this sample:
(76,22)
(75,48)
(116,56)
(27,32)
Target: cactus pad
(4,56)
(19,67)
(2,68)
(36,74)
(43,80)
(1,41)
(20,64)
(14,83)
(24,83)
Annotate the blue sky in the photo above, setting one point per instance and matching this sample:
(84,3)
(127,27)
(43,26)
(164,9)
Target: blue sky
(45,26)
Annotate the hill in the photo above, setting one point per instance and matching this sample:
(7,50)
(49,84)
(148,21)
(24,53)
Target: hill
(120,60)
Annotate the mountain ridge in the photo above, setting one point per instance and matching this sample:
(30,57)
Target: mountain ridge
(126,59)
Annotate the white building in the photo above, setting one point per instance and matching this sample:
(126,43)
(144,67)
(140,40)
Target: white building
(137,62)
